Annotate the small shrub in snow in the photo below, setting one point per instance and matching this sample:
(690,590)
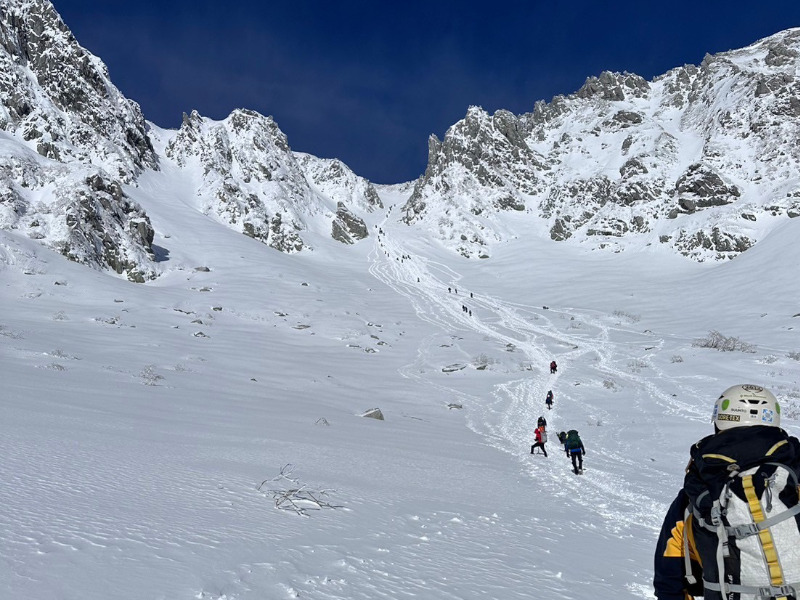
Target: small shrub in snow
(769,359)
(609,385)
(289,494)
(794,356)
(790,404)
(149,375)
(9,334)
(677,358)
(717,341)
(60,316)
(482,361)
(637,365)
(108,320)
(620,314)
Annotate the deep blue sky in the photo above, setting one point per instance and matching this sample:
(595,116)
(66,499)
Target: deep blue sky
(368,82)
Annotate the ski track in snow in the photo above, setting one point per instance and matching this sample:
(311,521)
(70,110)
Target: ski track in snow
(506,419)
(414,547)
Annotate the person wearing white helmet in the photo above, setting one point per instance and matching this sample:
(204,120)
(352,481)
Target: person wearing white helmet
(739,505)
(743,405)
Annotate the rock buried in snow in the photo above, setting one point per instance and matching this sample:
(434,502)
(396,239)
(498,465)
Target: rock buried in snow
(373,413)
(454,405)
(453,368)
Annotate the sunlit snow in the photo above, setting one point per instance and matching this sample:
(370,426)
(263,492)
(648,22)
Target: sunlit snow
(145,428)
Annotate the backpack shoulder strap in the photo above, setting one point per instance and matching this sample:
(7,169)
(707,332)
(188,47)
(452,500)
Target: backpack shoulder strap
(687,560)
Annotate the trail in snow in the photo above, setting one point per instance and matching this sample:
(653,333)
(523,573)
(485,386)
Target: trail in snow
(507,418)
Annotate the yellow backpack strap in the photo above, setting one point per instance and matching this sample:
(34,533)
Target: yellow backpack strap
(765,535)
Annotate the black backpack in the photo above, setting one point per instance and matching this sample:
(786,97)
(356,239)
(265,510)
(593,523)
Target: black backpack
(573,440)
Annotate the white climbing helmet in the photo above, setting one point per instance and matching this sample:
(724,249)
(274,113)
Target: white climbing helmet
(746,404)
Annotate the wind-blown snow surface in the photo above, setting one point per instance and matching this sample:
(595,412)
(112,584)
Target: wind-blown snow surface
(138,421)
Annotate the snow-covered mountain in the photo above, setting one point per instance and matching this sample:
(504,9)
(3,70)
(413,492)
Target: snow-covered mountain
(702,159)
(70,142)
(201,436)
(247,177)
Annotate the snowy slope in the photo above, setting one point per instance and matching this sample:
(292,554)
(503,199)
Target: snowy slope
(153,434)
(140,420)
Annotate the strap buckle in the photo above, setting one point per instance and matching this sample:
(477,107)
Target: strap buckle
(743,531)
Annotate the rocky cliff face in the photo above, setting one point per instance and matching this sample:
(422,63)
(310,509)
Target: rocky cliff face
(252,181)
(699,159)
(69,140)
(59,98)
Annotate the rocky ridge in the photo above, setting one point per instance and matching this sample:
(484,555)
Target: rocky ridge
(697,159)
(253,182)
(700,159)
(69,142)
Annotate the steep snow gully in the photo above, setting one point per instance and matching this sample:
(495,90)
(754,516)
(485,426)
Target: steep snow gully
(608,346)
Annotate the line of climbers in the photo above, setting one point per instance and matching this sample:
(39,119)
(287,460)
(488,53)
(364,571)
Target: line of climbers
(464,307)
(571,440)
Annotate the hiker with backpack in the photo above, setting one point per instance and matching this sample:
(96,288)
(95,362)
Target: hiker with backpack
(573,445)
(732,531)
(553,367)
(541,438)
(549,399)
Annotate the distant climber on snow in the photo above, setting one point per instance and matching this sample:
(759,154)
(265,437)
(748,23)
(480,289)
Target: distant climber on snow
(541,438)
(573,445)
(549,400)
(553,367)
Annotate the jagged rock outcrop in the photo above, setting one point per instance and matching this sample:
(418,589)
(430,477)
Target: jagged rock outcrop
(700,187)
(59,98)
(624,156)
(347,227)
(72,141)
(253,182)
(482,166)
(78,211)
(336,181)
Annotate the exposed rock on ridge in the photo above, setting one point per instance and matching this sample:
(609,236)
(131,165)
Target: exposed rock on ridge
(482,166)
(57,102)
(59,97)
(677,160)
(253,181)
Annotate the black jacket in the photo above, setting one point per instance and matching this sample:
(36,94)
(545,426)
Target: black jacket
(669,569)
